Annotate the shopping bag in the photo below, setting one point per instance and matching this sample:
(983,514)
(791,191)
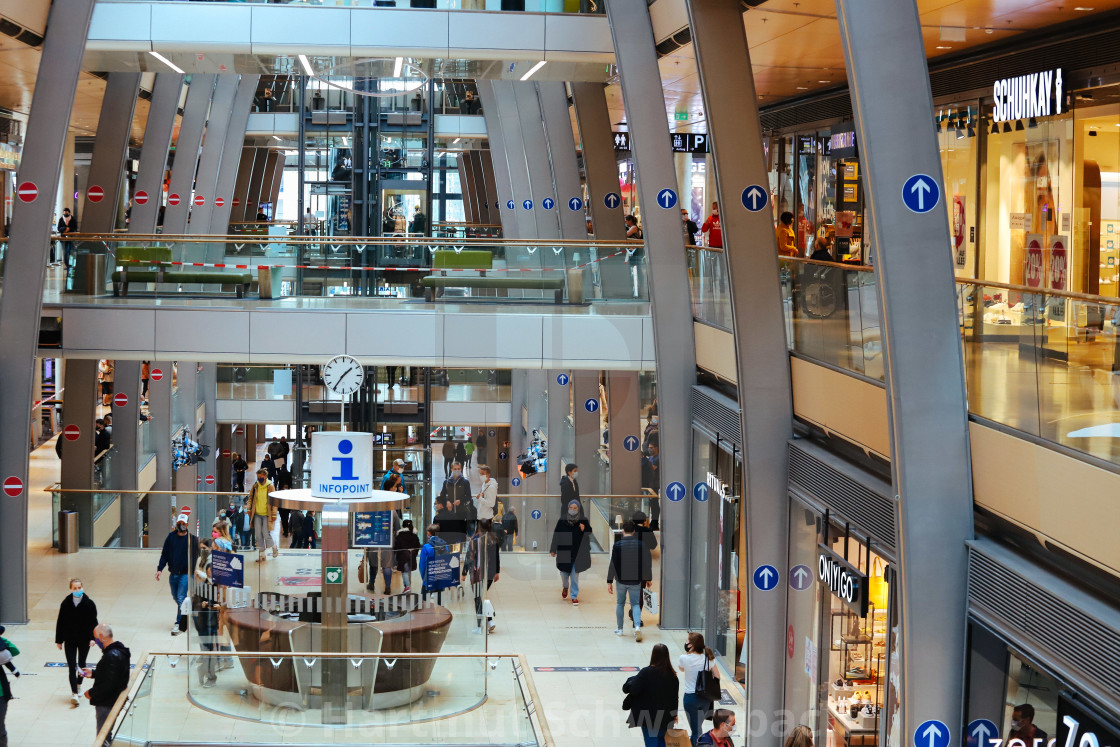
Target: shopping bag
(362,570)
(649,600)
(677,738)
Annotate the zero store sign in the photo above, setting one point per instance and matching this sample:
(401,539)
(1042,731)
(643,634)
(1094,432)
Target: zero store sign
(843,579)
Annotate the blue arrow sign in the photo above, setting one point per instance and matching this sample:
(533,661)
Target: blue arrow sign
(755,198)
(591,405)
(920,193)
(536,513)
(766,577)
(612,200)
(509,204)
(700,491)
(562,379)
(548,203)
(503,454)
(497,204)
(676,491)
(575,204)
(667,199)
(932,733)
(492,433)
(515,482)
(631,443)
(800,577)
(982,732)
(527,204)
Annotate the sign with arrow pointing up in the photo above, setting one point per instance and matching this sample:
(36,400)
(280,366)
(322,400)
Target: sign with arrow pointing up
(766,577)
(921,193)
(983,733)
(800,577)
(755,198)
(931,733)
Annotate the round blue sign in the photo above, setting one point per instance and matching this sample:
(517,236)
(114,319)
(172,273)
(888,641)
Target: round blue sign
(676,491)
(921,194)
(548,203)
(631,443)
(527,204)
(562,379)
(932,733)
(800,577)
(515,482)
(575,204)
(667,199)
(982,733)
(591,405)
(491,433)
(509,204)
(612,200)
(536,513)
(503,454)
(700,491)
(766,577)
(755,198)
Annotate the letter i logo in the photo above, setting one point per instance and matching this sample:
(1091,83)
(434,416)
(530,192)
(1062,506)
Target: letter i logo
(345,463)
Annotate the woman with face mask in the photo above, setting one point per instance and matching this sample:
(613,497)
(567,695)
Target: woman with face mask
(77,617)
(571,546)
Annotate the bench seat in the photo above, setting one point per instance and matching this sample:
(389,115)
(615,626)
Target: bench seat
(122,278)
(488,281)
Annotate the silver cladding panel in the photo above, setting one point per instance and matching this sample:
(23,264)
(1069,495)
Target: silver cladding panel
(717,413)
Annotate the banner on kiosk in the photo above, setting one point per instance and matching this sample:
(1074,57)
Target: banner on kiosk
(342,465)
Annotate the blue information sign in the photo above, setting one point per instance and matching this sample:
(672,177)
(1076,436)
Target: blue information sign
(667,199)
(932,733)
(562,379)
(700,491)
(631,443)
(921,194)
(442,571)
(766,577)
(515,482)
(800,577)
(373,529)
(591,405)
(575,204)
(536,513)
(527,204)
(548,203)
(676,491)
(612,200)
(509,204)
(227,568)
(503,455)
(755,198)
(982,733)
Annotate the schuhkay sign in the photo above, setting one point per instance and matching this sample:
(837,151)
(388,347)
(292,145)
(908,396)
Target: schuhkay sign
(844,579)
(1025,96)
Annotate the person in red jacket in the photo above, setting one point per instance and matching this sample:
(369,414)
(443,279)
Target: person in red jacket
(711,227)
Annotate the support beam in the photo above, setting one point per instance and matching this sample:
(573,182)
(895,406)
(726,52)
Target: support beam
(486,161)
(126,448)
(562,157)
(537,168)
(231,155)
(214,144)
(588,430)
(761,355)
(163,423)
(520,188)
(162,111)
(670,299)
(598,159)
(241,186)
(25,271)
(195,110)
(467,187)
(499,170)
(106,166)
(922,356)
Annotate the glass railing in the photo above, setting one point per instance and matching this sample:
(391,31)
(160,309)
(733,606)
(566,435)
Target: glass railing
(1041,362)
(502,271)
(256,381)
(454,230)
(464,699)
(533,6)
(707,277)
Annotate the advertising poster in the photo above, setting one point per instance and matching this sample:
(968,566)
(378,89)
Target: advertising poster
(1032,270)
(443,571)
(227,569)
(373,528)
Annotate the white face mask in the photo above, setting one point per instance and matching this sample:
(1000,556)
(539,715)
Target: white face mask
(1016,724)
(456,474)
(575,475)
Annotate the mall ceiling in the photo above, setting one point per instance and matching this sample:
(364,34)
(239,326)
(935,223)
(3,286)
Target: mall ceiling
(795,50)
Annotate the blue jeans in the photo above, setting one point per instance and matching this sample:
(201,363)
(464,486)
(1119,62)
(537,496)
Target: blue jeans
(695,708)
(180,583)
(653,738)
(634,591)
(573,579)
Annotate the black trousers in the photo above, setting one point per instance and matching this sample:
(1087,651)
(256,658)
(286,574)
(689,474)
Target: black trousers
(75,658)
(478,600)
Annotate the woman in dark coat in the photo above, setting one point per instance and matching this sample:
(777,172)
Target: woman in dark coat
(73,631)
(571,546)
(406,545)
(652,697)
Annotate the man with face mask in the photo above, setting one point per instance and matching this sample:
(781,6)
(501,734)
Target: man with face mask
(571,546)
(456,497)
(67,224)
(110,676)
(1022,726)
(180,555)
(569,486)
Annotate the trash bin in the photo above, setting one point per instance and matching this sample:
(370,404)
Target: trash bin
(575,286)
(268,282)
(68,530)
(94,270)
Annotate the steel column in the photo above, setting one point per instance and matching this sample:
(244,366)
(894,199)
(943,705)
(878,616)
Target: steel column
(562,157)
(599,162)
(231,155)
(256,178)
(163,424)
(25,269)
(241,186)
(486,161)
(624,412)
(537,168)
(213,145)
(922,356)
(195,110)
(506,107)
(588,433)
(82,397)
(162,110)
(466,186)
(499,170)
(670,298)
(110,148)
(126,442)
(761,355)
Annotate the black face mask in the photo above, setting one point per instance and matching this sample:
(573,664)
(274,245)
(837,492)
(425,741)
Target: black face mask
(260,480)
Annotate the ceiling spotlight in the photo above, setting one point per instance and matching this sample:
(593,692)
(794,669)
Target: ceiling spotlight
(960,134)
(1018,125)
(995,128)
(1006,127)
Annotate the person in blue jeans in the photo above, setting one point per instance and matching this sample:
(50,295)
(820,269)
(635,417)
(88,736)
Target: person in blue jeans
(652,697)
(696,658)
(571,546)
(632,567)
(179,556)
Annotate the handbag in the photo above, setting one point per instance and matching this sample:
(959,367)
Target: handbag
(649,600)
(362,570)
(708,685)
(677,738)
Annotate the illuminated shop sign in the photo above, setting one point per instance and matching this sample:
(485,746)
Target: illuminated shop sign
(1026,96)
(843,579)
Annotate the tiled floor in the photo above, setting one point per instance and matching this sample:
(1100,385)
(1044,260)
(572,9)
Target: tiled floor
(581,708)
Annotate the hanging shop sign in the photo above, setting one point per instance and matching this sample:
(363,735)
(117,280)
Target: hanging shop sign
(843,579)
(842,141)
(1026,96)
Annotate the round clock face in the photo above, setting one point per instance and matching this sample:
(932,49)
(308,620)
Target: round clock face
(343,374)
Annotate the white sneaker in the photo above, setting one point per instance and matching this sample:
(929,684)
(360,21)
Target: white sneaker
(175,630)
(618,632)
(638,635)
(492,627)
(74,700)
(477,631)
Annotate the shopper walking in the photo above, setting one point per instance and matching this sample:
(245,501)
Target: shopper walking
(7,651)
(480,444)
(486,501)
(468,454)
(110,676)
(571,546)
(73,632)
(406,546)
(264,514)
(690,227)
(787,242)
(67,225)
(240,467)
(456,497)
(696,659)
(801,736)
(569,486)
(712,228)
(180,556)
(632,567)
(509,528)
(483,565)
(448,452)
(652,700)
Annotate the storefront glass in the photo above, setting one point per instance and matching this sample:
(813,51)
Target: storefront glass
(959,131)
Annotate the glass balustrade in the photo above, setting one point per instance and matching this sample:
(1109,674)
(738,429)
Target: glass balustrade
(534,6)
(573,273)
(707,276)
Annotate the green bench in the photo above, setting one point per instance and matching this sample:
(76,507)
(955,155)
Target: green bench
(482,261)
(132,261)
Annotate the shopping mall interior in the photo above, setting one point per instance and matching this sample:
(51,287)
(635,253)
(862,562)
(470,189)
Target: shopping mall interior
(620,419)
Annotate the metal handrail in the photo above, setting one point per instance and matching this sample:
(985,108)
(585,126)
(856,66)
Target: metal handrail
(341,655)
(124,701)
(57,488)
(335,240)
